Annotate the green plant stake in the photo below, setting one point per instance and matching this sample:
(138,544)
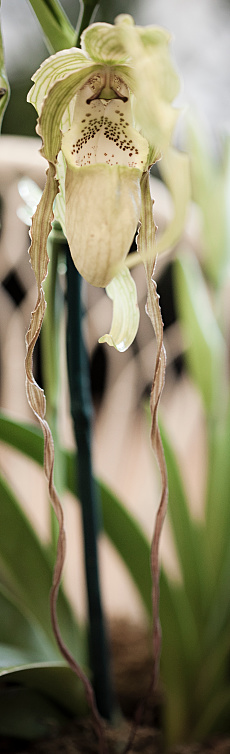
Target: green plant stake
(81,409)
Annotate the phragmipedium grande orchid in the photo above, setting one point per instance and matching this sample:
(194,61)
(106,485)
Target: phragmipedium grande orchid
(105,116)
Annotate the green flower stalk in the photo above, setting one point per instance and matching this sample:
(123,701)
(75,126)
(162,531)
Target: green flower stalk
(105,116)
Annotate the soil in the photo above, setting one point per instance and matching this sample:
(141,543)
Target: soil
(132,666)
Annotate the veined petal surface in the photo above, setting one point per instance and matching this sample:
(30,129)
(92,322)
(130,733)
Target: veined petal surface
(102,43)
(103,204)
(54,106)
(52,69)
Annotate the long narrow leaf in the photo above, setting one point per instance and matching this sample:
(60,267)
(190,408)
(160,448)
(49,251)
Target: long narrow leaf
(215,716)
(120,526)
(54,680)
(27,714)
(188,540)
(179,660)
(27,438)
(20,634)
(29,570)
(217,499)
(205,348)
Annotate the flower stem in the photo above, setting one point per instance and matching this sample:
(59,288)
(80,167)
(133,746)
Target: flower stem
(88,10)
(81,409)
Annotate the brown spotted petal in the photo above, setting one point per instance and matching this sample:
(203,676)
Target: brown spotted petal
(105,159)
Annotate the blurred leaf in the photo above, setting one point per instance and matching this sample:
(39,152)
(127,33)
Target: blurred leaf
(211,187)
(215,717)
(30,572)
(55,680)
(21,638)
(179,658)
(174,168)
(27,438)
(25,713)
(213,671)
(217,498)
(189,545)
(58,31)
(123,530)
(34,696)
(205,347)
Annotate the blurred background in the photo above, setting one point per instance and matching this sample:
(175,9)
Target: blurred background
(120,382)
(200,46)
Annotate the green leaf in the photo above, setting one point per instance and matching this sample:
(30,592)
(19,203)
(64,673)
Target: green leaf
(215,716)
(30,576)
(27,438)
(217,497)
(179,658)
(205,347)
(54,680)
(58,31)
(21,638)
(188,536)
(210,186)
(174,168)
(123,530)
(212,674)
(25,713)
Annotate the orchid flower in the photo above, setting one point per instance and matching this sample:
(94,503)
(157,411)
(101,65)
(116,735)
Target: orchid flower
(105,117)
